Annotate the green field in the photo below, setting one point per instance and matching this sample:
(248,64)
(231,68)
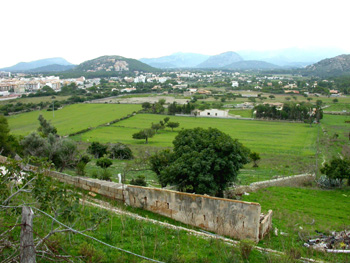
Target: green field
(242,113)
(285,148)
(262,136)
(71,118)
(34,99)
(299,212)
(338,107)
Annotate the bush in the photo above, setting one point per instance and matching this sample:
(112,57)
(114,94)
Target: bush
(105,175)
(80,168)
(94,174)
(140,180)
(120,151)
(97,149)
(104,162)
(326,182)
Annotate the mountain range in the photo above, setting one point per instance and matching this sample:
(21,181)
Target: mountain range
(285,58)
(42,65)
(106,66)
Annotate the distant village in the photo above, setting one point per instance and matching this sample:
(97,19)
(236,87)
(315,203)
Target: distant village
(188,83)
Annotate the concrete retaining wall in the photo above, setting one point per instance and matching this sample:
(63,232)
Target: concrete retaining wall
(237,219)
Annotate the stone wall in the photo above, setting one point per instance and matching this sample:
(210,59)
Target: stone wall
(295,180)
(232,218)
(237,219)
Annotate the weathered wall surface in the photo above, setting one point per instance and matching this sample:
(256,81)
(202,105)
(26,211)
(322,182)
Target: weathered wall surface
(296,180)
(237,219)
(265,224)
(223,216)
(240,220)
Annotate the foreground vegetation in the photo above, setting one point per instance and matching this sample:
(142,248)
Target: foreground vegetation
(298,214)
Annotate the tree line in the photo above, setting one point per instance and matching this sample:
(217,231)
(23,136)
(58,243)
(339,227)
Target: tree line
(305,112)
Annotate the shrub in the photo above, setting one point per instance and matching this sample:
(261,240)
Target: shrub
(105,175)
(120,151)
(97,149)
(104,162)
(140,180)
(326,182)
(80,168)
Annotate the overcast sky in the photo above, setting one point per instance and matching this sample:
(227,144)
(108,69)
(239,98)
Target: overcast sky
(81,30)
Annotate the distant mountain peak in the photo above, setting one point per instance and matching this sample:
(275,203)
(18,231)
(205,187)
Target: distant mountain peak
(221,60)
(176,60)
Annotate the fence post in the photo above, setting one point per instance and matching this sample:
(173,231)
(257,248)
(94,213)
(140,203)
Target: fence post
(27,250)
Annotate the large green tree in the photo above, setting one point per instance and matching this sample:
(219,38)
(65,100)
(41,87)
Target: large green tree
(203,161)
(144,134)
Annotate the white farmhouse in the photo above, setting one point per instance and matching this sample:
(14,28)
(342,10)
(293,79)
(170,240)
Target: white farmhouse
(213,113)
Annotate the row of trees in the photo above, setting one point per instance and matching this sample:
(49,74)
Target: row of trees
(145,134)
(290,111)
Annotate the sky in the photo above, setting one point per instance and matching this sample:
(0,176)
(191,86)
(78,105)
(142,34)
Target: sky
(81,30)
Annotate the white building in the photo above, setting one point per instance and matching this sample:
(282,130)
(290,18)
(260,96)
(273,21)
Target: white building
(162,79)
(140,79)
(127,90)
(213,113)
(235,84)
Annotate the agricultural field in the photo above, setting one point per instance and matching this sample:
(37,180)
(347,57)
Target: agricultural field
(338,107)
(72,118)
(285,148)
(34,99)
(261,136)
(241,113)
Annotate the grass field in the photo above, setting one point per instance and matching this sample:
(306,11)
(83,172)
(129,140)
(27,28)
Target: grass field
(285,148)
(338,107)
(242,113)
(71,118)
(260,136)
(299,212)
(34,99)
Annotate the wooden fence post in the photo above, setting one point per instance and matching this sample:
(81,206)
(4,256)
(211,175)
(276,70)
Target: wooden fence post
(27,248)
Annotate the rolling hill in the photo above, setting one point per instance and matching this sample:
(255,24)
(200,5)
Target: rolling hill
(112,64)
(336,66)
